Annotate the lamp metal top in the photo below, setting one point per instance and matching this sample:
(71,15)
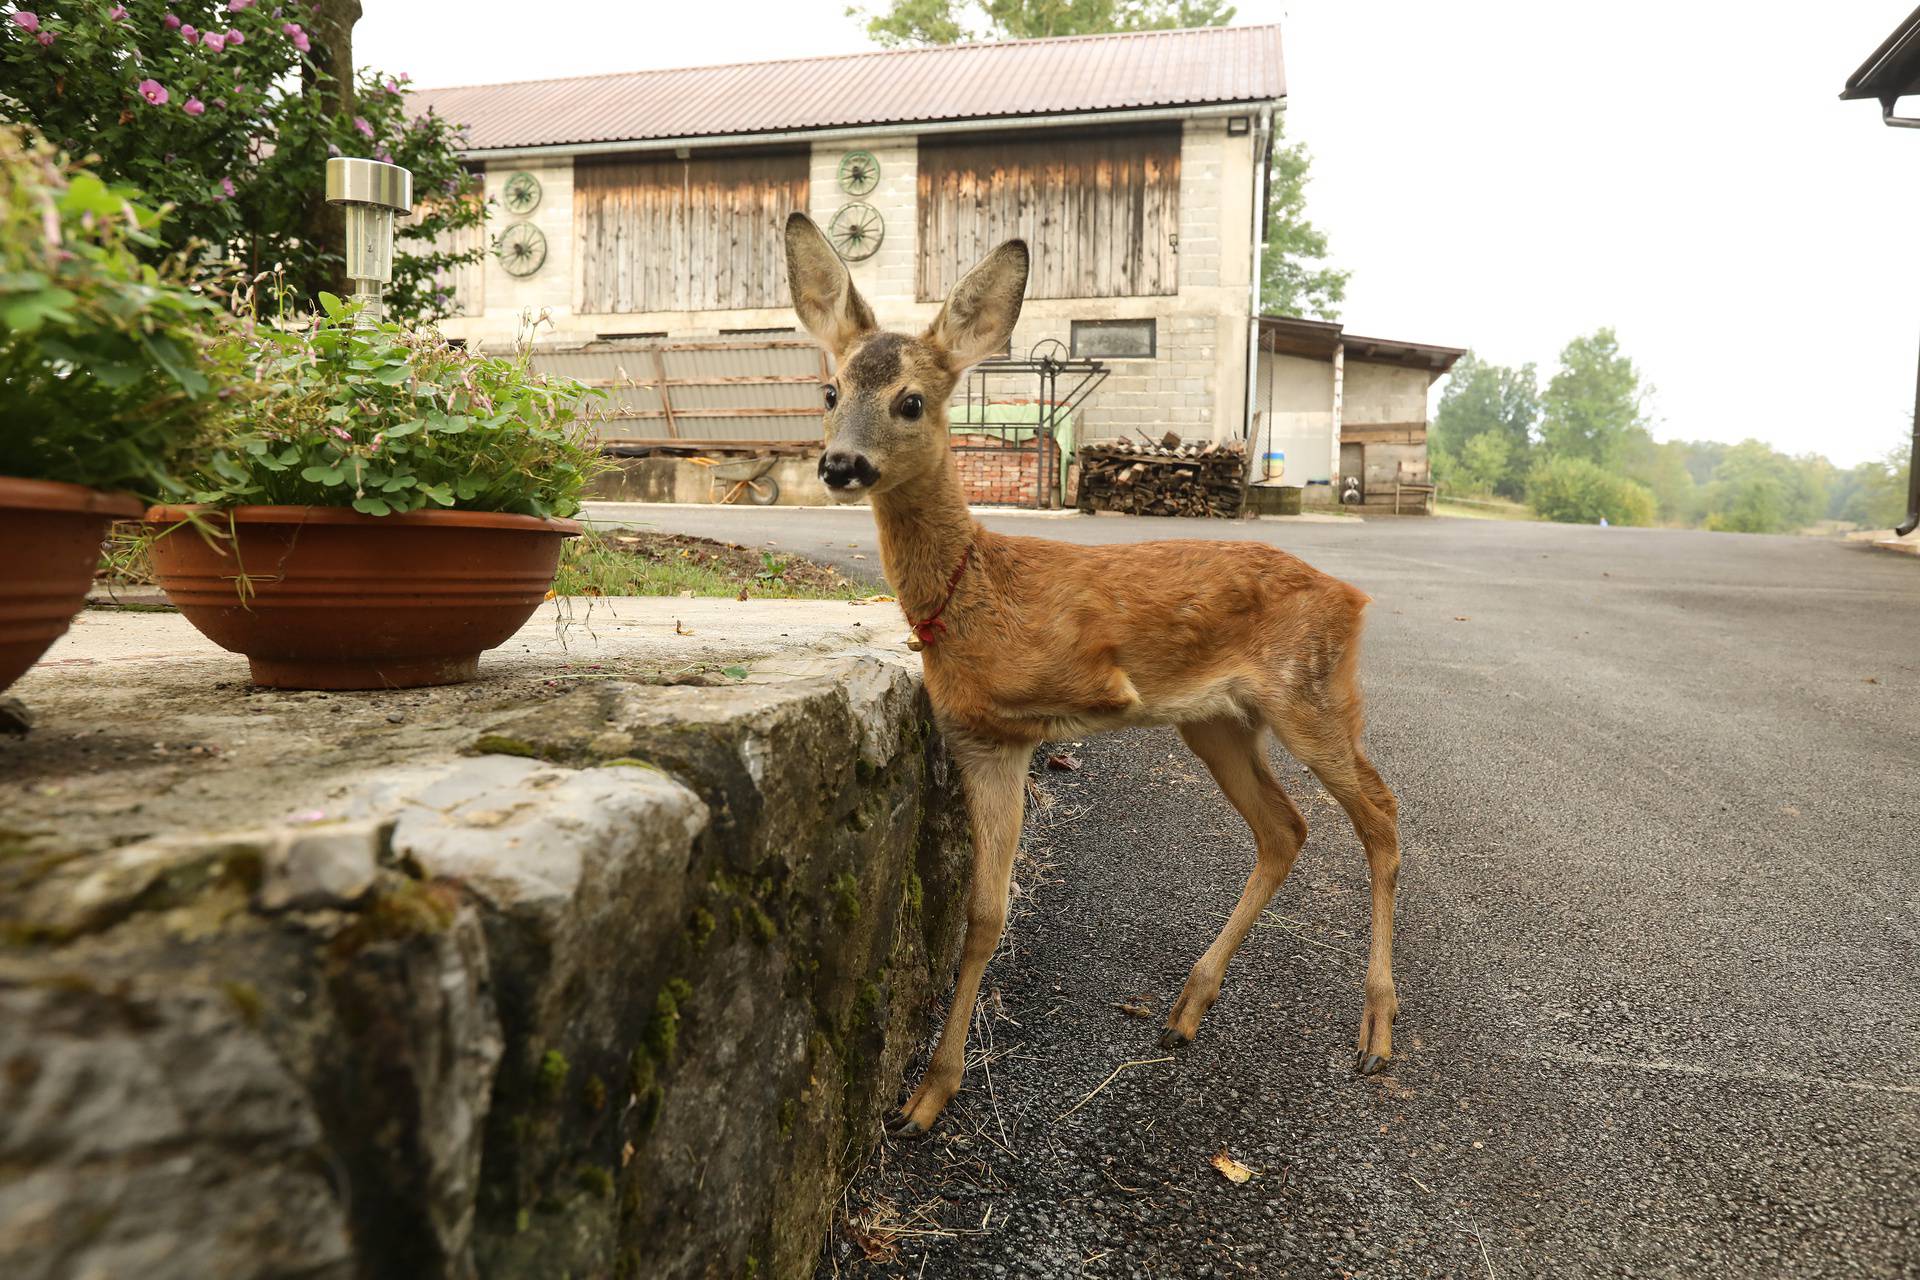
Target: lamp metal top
(351,180)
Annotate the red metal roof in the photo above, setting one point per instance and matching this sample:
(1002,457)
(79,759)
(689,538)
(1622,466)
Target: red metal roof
(1136,70)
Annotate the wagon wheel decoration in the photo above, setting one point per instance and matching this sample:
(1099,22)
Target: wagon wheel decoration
(521,194)
(859,173)
(523,249)
(856,231)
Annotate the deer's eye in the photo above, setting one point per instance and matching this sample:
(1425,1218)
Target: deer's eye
(912,407)
(833,397)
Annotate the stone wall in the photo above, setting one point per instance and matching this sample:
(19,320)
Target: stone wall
(619,991)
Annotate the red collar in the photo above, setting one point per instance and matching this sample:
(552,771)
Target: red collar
(926,631)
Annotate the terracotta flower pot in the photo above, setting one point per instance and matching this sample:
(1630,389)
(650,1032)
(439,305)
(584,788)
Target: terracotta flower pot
(50,534)
(339,600)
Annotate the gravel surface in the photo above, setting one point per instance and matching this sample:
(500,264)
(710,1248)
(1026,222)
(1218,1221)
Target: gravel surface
(1660,803)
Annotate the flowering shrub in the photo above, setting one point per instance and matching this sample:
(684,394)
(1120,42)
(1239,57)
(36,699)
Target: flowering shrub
(108,372)
(222,109)
(384,419)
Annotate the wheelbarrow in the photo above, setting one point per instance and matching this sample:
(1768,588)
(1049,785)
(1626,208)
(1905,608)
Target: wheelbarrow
(727,479)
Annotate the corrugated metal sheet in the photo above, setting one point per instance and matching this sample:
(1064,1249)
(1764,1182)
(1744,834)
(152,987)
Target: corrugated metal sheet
(721,390)
(948,82)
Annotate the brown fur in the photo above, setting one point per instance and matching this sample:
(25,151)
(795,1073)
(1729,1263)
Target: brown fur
(1226,640)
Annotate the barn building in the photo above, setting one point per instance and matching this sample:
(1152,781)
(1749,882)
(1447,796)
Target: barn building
(642,213)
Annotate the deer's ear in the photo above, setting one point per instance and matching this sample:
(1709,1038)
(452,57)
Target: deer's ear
(982,309)
(823,294)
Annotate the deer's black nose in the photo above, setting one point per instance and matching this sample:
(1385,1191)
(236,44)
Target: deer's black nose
(844,469)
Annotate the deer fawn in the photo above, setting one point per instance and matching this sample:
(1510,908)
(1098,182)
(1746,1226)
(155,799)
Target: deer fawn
(1024,640)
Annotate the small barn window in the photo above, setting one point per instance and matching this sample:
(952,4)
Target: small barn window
(1115,339)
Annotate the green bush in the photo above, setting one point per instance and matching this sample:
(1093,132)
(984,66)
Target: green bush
(1576,491)
(108,373)
(382,418)
(228,110)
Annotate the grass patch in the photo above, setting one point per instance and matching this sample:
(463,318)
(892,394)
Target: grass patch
(1483,509)
(629,563)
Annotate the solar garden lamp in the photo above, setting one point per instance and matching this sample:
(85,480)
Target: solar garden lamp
(371,193)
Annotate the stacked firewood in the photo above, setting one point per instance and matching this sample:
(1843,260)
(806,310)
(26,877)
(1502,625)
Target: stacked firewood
(1170,478)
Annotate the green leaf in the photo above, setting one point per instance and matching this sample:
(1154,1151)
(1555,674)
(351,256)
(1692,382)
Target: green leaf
(87,194)
(372,506)
(394,375)
(332,305)
(734,673)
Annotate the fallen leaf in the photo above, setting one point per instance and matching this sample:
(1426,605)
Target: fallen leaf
(1230,1169)
(859,557)
(735,673)
(1461,617)
(1871,680)
(680,629)
(1135,1009)
(1061,762)
(742,595)
(626,1155)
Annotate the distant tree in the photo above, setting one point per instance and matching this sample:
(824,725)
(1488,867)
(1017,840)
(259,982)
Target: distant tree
(905,22)
(1873,495)
(1484,399)
(1756,489)
(1663,469)
(1293,279)
(1578,491)
(1594,403)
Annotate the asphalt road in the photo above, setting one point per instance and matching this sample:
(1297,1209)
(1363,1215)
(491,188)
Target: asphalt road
(1659,931)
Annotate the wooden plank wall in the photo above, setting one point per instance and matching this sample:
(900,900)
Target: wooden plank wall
(685,235)
(1099,210)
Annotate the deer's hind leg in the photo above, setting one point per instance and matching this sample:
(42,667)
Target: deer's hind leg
(1326,738)
(1235,753)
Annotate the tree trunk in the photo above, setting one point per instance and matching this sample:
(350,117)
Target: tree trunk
(330,26)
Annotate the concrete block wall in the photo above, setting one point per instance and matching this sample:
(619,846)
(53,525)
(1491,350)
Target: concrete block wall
(550,289)
(887,278)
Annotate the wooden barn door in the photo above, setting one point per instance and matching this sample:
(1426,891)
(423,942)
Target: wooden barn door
(666,234)
(1100,211)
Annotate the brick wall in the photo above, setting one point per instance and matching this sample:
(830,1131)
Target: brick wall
(998,471)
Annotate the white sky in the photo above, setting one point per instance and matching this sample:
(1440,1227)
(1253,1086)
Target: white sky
(1499,174)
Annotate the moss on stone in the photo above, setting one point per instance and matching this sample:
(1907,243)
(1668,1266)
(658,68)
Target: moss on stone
(916,893)
(759,923)
(700,927)
(846,898)
(551,1077)
(594,1094)
(663,1033)
(630,762)
(499,744)
(789,1111)
(245,998)
(594,1180)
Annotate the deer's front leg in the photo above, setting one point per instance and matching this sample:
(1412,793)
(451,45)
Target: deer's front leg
(995,781)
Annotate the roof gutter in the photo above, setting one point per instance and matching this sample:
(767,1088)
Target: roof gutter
(907,129)
(1262,145)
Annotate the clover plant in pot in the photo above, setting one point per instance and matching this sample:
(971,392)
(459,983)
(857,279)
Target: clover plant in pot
(108,375)
(382,507)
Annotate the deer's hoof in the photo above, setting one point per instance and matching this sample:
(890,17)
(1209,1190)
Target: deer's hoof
(1174,1038)
(904,1126)
(1369,1064)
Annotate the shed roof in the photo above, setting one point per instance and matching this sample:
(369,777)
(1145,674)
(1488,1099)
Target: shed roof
(1064,76)
(1317,339)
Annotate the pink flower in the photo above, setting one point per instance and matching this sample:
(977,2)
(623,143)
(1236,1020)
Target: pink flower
(226,185)
(171,22)
(194,107)
(117,14)
(45,37)
(239,6)
(215,42)
(341,433)
(360,123)
(190,35)
(154,92)
(235,39)
(393,86)
(27,20)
